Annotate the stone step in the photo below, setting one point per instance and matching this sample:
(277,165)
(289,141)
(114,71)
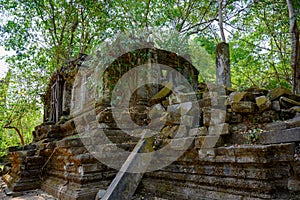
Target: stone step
(230,170)
(8,192)
(216,180)
(17,184)
(192,191)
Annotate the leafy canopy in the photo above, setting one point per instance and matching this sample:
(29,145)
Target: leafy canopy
(45,34)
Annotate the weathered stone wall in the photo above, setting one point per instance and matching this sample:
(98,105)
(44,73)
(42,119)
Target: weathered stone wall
(255,156)
(143,56)
(247,172)
(72,172)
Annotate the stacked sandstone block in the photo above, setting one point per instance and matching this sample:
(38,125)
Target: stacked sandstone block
(26,168)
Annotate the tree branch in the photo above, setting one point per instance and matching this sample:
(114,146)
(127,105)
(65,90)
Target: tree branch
(200,22)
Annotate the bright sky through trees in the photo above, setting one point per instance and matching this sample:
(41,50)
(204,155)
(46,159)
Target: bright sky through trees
(3,65)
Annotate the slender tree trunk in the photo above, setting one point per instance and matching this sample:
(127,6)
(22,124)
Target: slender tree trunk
(220,2)
(222,54)
(19,133)
(295,48)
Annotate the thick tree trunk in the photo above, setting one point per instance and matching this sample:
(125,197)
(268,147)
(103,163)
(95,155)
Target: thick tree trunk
(223,64)
(295,48)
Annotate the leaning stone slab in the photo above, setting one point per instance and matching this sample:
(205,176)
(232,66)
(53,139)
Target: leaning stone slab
(280,136)
(295,108)
(288,103)
(278,92)
(163,93)
(125,183)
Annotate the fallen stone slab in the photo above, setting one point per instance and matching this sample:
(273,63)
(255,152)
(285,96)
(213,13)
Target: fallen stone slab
(243,107)
(280,136)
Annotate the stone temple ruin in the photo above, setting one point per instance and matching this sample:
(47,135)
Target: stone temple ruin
(244,145)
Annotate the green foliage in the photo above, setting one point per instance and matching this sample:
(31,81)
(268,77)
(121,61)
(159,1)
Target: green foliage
(203,61)
(253,135)
(259,53)
(20,108)
(258,35)
(45,34)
